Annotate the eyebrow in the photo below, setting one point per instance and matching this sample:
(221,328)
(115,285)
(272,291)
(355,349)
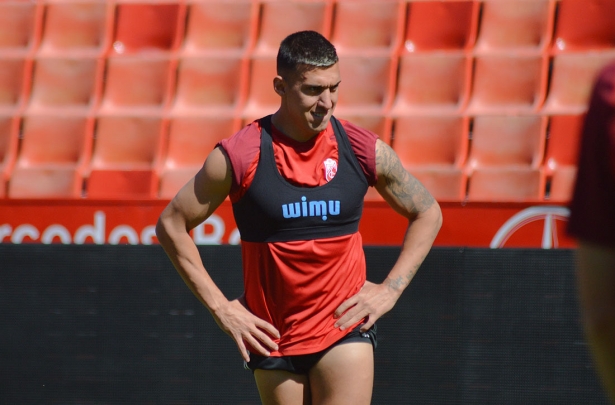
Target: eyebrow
(321,87)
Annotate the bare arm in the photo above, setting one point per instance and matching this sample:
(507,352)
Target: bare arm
(194,203)
(407,196)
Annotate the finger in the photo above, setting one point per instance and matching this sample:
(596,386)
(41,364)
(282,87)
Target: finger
(351,317)
(267,327)
(242,349)
(264,338)
(368,324)
(350,302)
(256,345)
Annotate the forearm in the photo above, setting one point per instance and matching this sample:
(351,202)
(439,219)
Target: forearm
(184,255)
(417,243)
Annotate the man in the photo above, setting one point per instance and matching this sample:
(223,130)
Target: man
(297,179)
(592,222)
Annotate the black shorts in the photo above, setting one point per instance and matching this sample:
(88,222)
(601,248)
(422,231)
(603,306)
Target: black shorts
(301,364)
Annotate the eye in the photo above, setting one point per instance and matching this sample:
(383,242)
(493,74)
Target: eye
(334,88)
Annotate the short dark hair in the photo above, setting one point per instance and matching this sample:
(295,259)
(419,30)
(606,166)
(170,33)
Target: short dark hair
(304,51)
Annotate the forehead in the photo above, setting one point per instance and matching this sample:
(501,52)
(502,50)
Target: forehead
(328,76)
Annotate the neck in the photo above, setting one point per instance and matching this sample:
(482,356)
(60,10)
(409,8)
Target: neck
(284,125)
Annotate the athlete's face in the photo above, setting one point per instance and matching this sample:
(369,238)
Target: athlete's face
(309,100)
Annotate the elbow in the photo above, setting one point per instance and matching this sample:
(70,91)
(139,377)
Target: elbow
(435,214)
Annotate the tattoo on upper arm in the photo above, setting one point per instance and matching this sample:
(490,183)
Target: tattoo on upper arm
(401,184)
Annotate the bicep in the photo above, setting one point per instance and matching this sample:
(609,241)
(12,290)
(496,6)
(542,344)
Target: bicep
(397,186)
(200,197)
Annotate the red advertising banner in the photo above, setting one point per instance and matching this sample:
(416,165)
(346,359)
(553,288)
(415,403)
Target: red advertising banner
(133,222)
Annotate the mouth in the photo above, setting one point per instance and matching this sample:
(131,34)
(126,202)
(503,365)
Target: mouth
(320,114)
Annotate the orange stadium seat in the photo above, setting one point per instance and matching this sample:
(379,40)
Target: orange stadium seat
(583,25)
(220,25)
(64,82)
(279,19)
(17,25)
(432,82)
(51,157)
(136,81)
(190,140)
(572,78)
(505,158)
(367,26)
(507,140)
(8,148)
(377,123)
(508,83)
(13,75)
(506,184)
(508,25)
(367,83)
(124,155)
(75,27)
(440,25)
(214,82)
(261,99)
(433,148)
(561,154)
(146,27)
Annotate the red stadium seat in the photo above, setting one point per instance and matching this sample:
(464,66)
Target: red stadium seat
(212,82)
(440,25)
(432,82)
(281,18)
(431,140)
(507,140)
(572,78)
(506,184)
(584,25)
(367,84)
(136,82)
(51,157)
(124,155)
(76,28)
(562,154)
(64,82)
(261,99)
(17,25)
(146,27)
(507,25)
(8,148)
(443,183)
(367,26)
(508,83)
(220,26)
(377,123)
(190,140)
(13,74)
(433,148)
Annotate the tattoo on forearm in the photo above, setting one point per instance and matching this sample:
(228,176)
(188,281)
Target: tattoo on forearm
(405,187)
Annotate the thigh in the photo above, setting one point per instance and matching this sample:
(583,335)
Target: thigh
(344,375)
(279,387)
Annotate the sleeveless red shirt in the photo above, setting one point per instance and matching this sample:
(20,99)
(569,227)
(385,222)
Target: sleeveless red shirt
(306,279)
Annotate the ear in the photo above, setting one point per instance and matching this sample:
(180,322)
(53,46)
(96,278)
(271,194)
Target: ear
(279,85)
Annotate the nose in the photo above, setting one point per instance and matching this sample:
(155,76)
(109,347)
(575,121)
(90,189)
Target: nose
(326,99)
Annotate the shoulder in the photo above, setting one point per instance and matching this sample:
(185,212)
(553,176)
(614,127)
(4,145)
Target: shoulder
(363,143)
(245,137)
(357,134)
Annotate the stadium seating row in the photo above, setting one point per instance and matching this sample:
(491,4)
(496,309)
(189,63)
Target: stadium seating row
(122,99)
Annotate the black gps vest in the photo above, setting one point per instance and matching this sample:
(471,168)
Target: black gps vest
(274,210)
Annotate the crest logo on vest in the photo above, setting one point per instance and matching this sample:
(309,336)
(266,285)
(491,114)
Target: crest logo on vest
(306,208)
(330,169)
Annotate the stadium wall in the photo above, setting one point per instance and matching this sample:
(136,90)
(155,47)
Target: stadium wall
(110,324)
